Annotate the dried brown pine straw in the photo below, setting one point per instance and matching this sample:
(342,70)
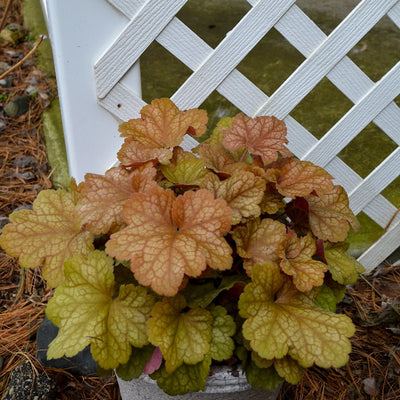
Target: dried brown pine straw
(376,351)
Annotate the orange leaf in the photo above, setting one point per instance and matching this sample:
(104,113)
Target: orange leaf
(161,126)
(166,238)
(296,254)
(102,196)
(330,215)
(243,192)
(263,136)
(258,242)
(296,178)
(272,200)
(47,235)
(215,157)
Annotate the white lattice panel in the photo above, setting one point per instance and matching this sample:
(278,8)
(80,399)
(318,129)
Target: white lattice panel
(325,56)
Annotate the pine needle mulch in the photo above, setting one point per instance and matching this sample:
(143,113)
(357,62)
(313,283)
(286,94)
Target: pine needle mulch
(373,371)
(24,172)
(373,302)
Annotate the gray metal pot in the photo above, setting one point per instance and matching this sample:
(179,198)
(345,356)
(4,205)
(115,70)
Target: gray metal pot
(221,385)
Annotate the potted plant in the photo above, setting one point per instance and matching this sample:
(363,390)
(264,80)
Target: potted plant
(175,262)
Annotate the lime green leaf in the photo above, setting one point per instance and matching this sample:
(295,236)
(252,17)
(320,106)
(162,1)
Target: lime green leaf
(202,295)
(289,369)
(187,172)
(126,324)
(326,298)
(136,363)
(344,268)
(242,354)
(103,373)
(282,321)
(266,378)
(222,344)
(46,235)
(87,314)
(184,379)
(181,336)
(259,361)
(217,137)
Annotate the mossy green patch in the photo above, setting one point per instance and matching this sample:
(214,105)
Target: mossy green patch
(55,146)
(35,23)
(52,125)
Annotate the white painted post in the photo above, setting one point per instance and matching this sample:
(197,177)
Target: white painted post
(79,39)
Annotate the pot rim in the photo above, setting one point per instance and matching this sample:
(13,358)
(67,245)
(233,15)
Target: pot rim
(222,379)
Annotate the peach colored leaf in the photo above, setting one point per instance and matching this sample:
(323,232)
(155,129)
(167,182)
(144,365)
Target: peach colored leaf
(296,178)
(330,215)
(289,369)
(183,337)
(161,126)
(263,136)
(166,238)
(87,312)
(47,235)
(102,197)
(215,157)
(243,192)
(296,254)
(134,153)
(259,241)
(282,321)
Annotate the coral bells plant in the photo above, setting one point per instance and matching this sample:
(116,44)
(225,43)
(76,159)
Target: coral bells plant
(175,261)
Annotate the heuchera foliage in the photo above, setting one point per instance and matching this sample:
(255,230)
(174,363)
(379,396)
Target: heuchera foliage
(174,261)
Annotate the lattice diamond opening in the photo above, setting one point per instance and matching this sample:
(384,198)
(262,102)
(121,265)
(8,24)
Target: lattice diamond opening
(332,105)
(326,56)
(272,60)
(378,51)
(363,155)
(162,72)
(204,18)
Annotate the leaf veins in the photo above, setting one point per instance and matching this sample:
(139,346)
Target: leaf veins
(166,238)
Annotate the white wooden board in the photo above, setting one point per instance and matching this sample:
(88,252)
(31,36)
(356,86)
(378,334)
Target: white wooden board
(80,32)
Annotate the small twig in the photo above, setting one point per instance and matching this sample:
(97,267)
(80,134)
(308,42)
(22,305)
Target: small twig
(244,155)
(379,294)
(387,226)
(6,11)
(23,59)
(371,285)
(20,285)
